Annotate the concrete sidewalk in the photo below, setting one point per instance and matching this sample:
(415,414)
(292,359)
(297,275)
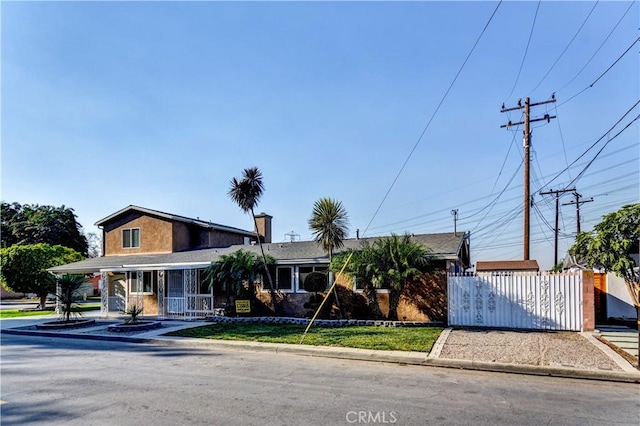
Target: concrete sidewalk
(623,337)
(565,354)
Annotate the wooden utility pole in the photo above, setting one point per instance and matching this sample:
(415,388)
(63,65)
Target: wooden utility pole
(454,213)
(577,202)
(527,144)
(557,228)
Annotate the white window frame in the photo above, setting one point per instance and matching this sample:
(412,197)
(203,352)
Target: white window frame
(315,268)
(130,278)
(131,246)
(293,271)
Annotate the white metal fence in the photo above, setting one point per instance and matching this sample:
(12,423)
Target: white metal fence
(545,301)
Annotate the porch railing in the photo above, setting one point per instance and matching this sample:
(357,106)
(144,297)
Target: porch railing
(116,304)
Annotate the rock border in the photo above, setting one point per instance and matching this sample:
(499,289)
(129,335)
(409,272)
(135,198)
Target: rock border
(61,325)
(323,322)
(124,328)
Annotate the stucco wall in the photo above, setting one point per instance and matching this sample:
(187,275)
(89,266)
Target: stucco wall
(619,302)
(155,235)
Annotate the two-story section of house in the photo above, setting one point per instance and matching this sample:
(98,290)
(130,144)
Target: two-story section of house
(148,260)
(138,230)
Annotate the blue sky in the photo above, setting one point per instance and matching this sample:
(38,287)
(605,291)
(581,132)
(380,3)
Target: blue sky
(160,104)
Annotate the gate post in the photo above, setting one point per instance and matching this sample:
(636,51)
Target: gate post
(588,302)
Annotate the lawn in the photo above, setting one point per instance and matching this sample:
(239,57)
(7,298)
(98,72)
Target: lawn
(419,339)
(15,313)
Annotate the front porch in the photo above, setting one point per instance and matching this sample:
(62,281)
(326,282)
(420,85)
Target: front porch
(167,294)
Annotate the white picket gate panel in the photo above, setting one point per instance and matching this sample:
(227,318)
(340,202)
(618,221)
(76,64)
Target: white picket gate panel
(545,301)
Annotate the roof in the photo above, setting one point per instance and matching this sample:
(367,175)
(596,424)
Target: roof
(174,217)
(443,246)
(507,265)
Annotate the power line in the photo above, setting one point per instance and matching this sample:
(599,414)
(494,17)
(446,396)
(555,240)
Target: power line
(431,119)
(601,75)
(567,47)
(594,144)
(533,24)
(600,47)
(603,147)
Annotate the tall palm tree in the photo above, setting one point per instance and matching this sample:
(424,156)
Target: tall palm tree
(329,223)
(246,193)
(330,226)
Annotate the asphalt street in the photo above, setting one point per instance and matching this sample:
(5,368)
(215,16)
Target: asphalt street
(57,381)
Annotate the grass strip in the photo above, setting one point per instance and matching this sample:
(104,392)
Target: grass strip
(15,313)
(420,339)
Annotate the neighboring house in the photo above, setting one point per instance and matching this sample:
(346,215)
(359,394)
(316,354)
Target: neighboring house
(496,266)
(612,298)
(158,260)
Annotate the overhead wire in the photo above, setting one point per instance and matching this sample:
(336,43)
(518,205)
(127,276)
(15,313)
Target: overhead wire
(601,75)
(524,56)
(598,49)
(386,195)
(593,145)
(601,149)
(567,47)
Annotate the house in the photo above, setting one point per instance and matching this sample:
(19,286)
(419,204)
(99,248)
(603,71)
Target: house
(497,266)
(158,260)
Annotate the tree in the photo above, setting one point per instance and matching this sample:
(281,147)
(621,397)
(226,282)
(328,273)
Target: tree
(246,193)
(390,263)
(237,273)
(23,268)
(94,244)
(330,224)
(361,268)
(610,245)
(32,224)
(398,260)
(68,286)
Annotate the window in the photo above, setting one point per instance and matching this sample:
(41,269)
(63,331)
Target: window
(283,278)
(149,278)
(131,238)
(305,270)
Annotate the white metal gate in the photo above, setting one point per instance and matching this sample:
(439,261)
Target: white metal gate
(174,302)
(545,301)
(184,299)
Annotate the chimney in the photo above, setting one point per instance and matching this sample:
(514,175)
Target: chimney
(263,224)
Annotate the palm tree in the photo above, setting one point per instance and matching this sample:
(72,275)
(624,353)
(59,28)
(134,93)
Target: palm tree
(246,193)
(361,268)
(330,226)
(232,271)
(398,260)
(68,286)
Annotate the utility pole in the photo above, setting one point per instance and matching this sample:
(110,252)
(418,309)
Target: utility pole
(557,228)
(577,202)
(454,213)
(526,144)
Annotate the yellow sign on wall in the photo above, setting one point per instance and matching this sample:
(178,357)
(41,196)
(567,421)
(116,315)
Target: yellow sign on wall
(243,306)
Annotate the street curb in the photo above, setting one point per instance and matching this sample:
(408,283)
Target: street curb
(396,357)
(76,336)
(439,345)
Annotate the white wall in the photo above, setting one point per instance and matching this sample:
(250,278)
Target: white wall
(619,302)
